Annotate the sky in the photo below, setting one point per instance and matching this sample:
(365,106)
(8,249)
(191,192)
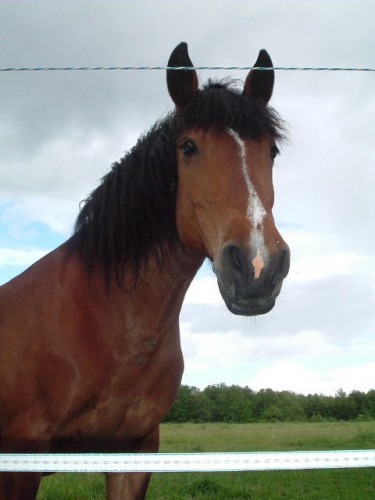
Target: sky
(61,131)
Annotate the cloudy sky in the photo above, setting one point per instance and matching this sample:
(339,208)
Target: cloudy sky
(60,132)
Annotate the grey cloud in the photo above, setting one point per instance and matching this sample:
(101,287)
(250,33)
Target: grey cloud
(59,132)
(339,307)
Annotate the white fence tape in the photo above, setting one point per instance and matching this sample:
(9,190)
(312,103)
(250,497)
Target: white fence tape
(186,462)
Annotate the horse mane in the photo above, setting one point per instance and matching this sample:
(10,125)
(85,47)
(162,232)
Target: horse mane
(130,216)
(222,105)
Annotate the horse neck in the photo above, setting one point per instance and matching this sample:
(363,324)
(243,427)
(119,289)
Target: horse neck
(164,288)
(156,299)
(172,278)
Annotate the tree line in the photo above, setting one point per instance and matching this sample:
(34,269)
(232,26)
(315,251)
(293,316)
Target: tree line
(222,403)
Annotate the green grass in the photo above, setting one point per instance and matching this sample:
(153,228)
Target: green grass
(351,484)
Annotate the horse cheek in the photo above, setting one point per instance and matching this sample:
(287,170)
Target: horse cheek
(186,222)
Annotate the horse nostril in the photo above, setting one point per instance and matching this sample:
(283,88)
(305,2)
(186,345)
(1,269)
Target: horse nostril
(282,267)
(232,255)
(285,261)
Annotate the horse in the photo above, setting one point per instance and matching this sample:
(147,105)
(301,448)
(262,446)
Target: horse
(90,357)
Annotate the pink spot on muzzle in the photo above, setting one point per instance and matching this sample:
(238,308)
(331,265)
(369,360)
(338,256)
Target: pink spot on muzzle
(258,264)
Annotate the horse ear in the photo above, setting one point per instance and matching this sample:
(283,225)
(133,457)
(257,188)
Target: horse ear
(259,84)
(182,85)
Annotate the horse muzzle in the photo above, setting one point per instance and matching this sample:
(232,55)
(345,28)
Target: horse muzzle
(248,284)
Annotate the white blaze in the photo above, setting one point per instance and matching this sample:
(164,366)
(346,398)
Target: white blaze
(255,210)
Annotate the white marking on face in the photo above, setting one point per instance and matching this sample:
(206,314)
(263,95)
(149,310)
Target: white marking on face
(255,209)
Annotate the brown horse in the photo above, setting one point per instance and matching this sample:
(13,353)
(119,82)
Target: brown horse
(90,357)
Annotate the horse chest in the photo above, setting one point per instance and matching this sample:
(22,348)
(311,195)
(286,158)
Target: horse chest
(132,399)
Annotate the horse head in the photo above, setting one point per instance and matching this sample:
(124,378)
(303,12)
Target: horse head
(226,146)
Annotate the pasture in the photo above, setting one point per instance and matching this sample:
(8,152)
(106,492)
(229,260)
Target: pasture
(316,484)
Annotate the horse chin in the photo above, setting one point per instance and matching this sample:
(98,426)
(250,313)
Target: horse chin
(250,307)
(248,304)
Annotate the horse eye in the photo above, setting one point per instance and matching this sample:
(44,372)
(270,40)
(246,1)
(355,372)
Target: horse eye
(274,151)
(188,148)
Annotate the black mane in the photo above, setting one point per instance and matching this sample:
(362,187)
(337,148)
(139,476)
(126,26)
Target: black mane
(221,105)
(130,216)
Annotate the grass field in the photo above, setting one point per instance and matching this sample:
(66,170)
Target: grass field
(350,484)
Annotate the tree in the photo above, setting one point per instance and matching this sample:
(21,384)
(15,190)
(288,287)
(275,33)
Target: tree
(222,403)
(272,413)
(264,399)
(358,399)
(290,405)
(316,407)
(190,406)
(343,408)
(230,403)
(370,403)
